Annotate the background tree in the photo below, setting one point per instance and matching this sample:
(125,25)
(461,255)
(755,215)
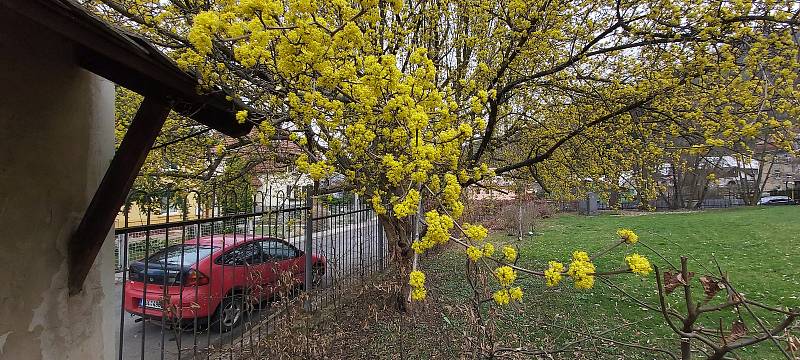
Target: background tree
(191,157)
(411,100)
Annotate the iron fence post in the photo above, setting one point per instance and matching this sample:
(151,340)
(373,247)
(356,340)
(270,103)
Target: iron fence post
(308,249)
(380,244)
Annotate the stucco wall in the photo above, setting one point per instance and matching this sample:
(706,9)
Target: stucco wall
(56,140)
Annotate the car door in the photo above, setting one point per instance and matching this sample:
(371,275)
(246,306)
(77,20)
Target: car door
(242,269)
(281,267)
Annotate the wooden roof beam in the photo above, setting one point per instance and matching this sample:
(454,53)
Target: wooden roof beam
(99,217)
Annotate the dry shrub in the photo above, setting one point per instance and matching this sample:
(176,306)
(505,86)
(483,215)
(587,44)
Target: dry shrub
(520,218)
(483,212)
(508,215)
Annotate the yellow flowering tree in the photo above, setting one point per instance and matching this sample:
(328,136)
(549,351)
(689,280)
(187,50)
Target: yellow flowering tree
(412,100)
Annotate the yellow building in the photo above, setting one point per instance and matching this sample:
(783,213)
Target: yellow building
(161,213)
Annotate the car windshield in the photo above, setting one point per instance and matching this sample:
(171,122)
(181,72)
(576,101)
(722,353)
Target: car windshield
(191,254)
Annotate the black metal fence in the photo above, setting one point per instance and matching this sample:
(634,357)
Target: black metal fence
(661,204)
(199,275)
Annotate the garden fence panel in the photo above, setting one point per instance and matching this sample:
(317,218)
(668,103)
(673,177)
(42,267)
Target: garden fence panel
(259,247)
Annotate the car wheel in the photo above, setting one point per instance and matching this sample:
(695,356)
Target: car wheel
(229,314)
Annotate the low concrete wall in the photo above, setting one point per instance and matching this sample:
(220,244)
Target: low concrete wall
(56,140)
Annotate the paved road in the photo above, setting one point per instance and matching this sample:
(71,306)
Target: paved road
(161,342)
(352,250)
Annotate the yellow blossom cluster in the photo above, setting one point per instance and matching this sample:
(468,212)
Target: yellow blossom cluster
(488,249)
(408,206)
(581,270)
(377,205)
(505,296)
(438,231)
(204,25)
(241,116)
(505,275)
(475,232)
(451,195)
(509,253)
(474,253)
(416,278)
(638,264)
(628,236)
(553,273)
(417,281)
(394,169)
(316,170)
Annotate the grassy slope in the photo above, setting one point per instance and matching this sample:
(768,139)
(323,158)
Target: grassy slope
(759,247)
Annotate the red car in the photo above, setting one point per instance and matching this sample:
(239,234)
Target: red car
(216,278)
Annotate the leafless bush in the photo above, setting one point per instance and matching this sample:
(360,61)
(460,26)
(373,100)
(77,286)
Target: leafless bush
(483,212)
(716,343)
(520,218)
(713,326)
(517,217)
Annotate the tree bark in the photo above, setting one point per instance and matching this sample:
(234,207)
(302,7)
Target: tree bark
(399,237)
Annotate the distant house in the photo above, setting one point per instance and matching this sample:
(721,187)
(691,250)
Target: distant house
(280,188)
(166,209)
(498,188)
(780,171)
(729,176)
(276,179)
(784,174)
(730,171)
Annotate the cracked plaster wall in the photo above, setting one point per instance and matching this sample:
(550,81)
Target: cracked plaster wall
(56,140)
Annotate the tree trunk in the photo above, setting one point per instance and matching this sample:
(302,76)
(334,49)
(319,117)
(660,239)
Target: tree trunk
(761,184)
(686,349)
(677,202)
(399,237)
(613,199)
(702,196)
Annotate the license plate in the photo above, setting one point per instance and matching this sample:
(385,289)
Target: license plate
(153,304)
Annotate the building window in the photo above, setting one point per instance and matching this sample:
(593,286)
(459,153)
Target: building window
(174,209)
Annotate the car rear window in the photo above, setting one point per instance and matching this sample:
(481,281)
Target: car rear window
(191,254)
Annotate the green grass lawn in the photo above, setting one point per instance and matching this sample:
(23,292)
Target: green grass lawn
(758,247)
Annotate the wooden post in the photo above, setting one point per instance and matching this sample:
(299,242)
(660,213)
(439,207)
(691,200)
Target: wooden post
(87,240)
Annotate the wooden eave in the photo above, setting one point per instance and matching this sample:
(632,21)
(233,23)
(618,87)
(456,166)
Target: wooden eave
(132,62)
